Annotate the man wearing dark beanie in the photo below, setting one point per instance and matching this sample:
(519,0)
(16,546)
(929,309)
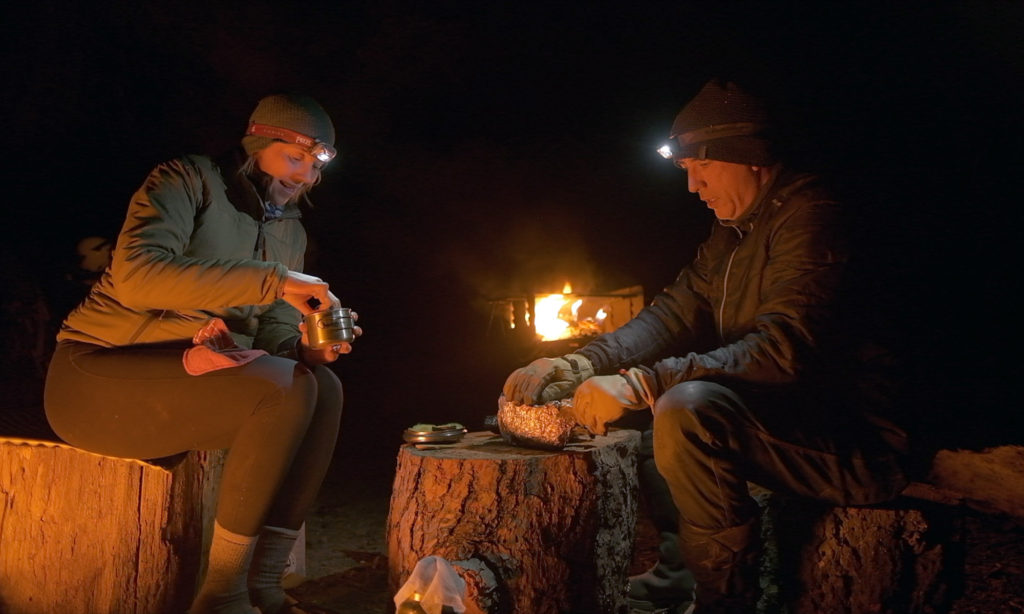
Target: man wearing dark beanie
(190,340)
(750,361)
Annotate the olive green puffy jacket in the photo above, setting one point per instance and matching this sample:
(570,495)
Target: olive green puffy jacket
(193,247)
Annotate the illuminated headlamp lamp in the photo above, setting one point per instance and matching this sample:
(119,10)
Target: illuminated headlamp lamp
(318,149)
(695,142)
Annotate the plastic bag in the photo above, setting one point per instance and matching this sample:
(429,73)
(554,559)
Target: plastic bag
(437,585)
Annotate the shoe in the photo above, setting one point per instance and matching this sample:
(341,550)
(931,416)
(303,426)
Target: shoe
(661,590)
(668,586)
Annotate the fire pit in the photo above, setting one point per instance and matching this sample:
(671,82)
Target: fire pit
(563,318)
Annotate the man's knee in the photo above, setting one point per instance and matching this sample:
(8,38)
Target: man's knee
(686,400)
(695,408)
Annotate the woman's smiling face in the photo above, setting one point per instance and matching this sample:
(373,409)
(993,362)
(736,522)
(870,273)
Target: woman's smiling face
(291,168)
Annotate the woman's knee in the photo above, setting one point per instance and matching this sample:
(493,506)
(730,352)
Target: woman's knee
(330,392)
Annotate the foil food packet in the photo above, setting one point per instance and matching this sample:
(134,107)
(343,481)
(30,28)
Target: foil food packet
(547,427)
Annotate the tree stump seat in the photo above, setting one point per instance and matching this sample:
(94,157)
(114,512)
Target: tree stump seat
(83,533)
(900,558)
(531,531)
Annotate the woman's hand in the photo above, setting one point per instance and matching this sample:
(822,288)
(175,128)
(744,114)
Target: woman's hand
(328,354)
(300,288)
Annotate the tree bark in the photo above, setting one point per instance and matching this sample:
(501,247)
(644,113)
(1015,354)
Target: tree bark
(846,560)
(531,532)
(82,533)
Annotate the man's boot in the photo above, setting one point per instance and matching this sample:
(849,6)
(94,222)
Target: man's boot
(668,585)
(726,565)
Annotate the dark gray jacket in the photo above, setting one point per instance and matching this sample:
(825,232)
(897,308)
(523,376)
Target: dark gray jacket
(760,307)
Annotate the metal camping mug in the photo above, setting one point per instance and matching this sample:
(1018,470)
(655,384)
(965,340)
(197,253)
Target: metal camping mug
(329,327)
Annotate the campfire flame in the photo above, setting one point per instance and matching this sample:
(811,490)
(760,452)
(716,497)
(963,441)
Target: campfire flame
(556,316)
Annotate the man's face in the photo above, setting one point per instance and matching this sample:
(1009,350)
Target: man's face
(726,188)
(291,168)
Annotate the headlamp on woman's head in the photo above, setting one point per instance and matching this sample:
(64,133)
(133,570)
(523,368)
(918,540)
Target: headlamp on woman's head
(318,149)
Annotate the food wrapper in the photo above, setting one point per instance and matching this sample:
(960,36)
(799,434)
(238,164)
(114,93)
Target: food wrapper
(548,426)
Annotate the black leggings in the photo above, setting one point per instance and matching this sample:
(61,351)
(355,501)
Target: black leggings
(278,418)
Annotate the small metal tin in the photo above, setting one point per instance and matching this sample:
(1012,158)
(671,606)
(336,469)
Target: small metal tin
(451,435)
(329,327)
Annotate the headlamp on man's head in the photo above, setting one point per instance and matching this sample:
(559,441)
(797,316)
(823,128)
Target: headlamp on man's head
(696,143)
(318,149)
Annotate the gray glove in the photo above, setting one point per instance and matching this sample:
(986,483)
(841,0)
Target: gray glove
(547,379)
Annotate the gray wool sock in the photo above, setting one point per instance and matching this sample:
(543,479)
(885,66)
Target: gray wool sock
(224,589)
(268,563)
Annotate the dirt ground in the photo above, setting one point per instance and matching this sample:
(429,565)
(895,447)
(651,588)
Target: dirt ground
(346,562)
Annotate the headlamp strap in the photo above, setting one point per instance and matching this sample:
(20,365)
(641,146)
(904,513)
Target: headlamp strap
(720,131)
(323,152)
(283,134)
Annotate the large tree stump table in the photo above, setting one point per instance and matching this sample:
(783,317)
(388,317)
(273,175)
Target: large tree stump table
(531,531)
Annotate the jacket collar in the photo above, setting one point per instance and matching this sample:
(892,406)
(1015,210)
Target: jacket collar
(243,192)
(774,193)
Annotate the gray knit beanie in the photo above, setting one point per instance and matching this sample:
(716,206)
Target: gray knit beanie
(300,114)
(723,123)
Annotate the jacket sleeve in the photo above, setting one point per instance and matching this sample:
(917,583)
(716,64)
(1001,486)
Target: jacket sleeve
(149,267)
(791,321)
(679,316)
(278,330)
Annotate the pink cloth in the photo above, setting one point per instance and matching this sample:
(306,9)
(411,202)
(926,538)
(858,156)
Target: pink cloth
(215,349)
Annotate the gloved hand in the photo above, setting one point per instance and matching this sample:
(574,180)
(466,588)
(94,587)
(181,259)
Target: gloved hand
(547,379)
(605,398)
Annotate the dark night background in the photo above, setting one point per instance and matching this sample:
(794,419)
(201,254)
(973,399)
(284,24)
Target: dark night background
(495,149)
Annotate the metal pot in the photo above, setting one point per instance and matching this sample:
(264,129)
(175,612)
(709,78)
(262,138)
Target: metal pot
(329,327)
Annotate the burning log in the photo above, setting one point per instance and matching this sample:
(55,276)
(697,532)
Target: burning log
(529,530)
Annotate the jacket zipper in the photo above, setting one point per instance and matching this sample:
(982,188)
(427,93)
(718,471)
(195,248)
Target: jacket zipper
(725,288)
(145,324)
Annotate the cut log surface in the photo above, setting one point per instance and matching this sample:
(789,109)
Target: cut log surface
(531,531)
(82,533)
(989,480)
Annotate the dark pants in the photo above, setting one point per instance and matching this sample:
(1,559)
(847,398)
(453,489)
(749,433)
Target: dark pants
(278,418)
(708,443)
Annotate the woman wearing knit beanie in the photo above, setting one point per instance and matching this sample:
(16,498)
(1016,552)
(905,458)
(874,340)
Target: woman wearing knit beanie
(191,340)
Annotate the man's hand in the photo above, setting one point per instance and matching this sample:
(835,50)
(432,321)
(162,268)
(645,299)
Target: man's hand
(547,379)
(605,398)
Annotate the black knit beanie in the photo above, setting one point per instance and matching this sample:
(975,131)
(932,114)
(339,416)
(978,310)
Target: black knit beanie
(300,114)
(723,123)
